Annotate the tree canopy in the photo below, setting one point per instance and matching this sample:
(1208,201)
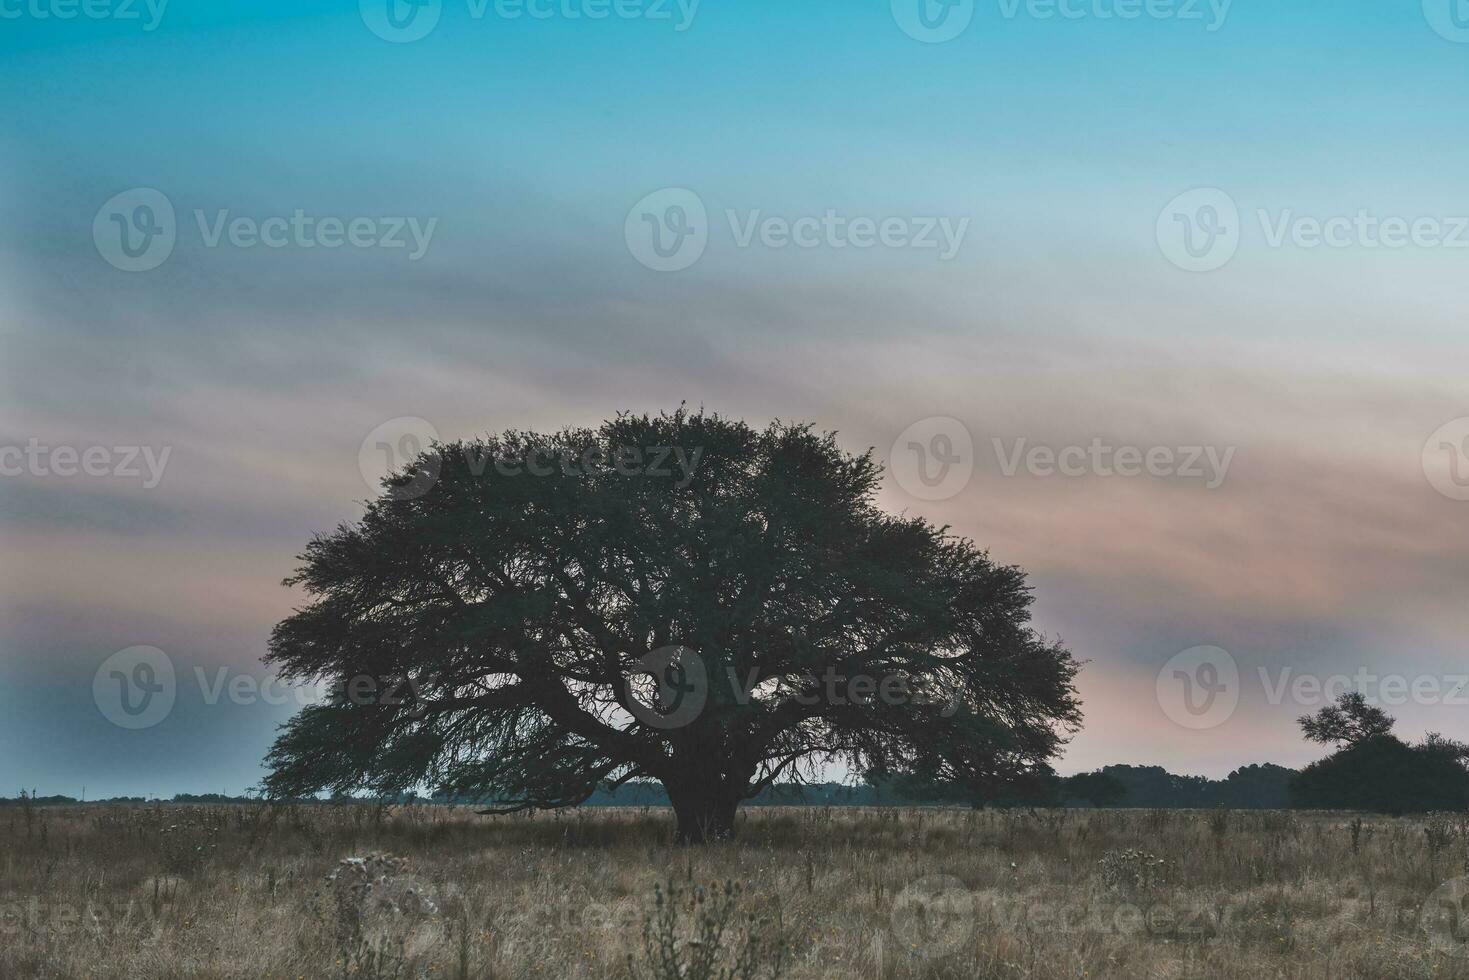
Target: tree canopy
(528,617)
(1373,769)
(1350,721)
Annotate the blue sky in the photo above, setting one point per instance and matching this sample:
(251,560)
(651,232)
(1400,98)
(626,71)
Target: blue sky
(526,142)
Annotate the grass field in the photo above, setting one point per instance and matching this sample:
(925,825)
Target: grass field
(317,892)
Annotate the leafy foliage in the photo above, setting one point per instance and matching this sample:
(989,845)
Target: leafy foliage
(504,615)
(699,934)
(1377,771)
(1384,775)
(1348,722)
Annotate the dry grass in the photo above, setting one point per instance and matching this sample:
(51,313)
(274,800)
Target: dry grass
(175,892)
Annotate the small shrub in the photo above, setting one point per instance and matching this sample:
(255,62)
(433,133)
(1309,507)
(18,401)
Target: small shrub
(383,918)
(1133,870)
(702,935)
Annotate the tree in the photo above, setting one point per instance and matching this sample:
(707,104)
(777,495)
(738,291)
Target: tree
(1261,787)
(1350,721)
(1376,771)
(1097,788)
(529,617)
(1383,774)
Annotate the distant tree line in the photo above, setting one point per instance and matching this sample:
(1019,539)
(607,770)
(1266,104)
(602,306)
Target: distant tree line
(1114,786)
(1254,787)
(1371,770)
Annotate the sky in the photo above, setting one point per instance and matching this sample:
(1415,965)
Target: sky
(1168,295)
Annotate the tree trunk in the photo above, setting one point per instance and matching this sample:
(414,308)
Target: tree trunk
(704,809)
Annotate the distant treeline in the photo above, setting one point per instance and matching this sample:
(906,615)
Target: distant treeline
(1258,787)
(1251,787)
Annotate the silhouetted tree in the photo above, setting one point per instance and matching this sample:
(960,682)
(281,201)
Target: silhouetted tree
(1097,788)
(1349,721)
(1385,775)
(1154,786)
(1261,787)
(527,634)
(1376,771)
